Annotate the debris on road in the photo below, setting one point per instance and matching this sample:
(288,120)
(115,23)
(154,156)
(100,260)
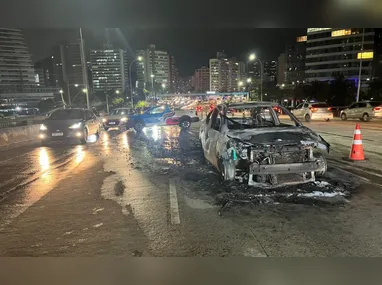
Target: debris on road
(119,188)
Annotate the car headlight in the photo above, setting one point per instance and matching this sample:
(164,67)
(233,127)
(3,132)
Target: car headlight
(75,126)
(104,120)
(124,119)
(43,127)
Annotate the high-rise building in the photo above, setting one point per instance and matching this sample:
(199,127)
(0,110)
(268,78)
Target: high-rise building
(224,73)
(109,68)
(173,74)
(202,79)
(281,69)
(71,63)
(254,70)
(331,52)
(155,62)
(242,70)
(49,70)
(295,61)
(270,70)
(184,84)
(16,68)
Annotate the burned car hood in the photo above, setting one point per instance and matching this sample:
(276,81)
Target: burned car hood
(280,136)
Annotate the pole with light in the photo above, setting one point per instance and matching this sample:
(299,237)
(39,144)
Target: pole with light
(139,58)
(253,57)
(152,85)
(62,98)
(360,66)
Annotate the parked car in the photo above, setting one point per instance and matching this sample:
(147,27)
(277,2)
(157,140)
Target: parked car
(377,111)
(253,145)
(313,111)
(67,124)
(162,115)
(117,118)
(364,111)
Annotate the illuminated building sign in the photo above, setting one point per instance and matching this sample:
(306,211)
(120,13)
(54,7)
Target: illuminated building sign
(365,55)
(340,33)
(313,30)
(302,39)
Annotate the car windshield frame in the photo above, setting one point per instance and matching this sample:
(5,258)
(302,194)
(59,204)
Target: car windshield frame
(80,114)
(276,121)
(114,112)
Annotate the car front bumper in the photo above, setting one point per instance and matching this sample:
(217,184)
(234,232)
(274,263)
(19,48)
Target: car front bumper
(61,135)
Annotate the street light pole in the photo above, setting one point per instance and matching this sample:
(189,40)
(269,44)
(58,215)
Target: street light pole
(68,87)
(139,58)
(84,69)
(107,102)
(360,66)
(254,57)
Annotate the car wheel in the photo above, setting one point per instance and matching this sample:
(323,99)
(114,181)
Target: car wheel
(106,128)
(327,119)
(84,138)
(185,124)
(343,117)
(138,126)
(365,117)
(307,118)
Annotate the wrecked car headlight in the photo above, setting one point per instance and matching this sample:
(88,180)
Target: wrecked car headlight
(239,147)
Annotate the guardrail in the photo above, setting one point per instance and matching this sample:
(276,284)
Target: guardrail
(20,121)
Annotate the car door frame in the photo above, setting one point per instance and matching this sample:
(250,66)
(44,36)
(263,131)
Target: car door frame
(298,111)
(351,112)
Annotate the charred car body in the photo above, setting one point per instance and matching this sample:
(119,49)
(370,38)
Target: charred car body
(249,142)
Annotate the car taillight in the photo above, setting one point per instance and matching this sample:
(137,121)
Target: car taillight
(313,109)
(330,108)
(377,109)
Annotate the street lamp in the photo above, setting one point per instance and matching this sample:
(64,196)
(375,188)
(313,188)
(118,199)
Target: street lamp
(75,85)
(139,58)
(117,92)
(253,57)
(241,83)
(84,90)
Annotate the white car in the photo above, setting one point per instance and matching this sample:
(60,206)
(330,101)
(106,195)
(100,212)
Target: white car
(364,111)
(313,111)
(117,118)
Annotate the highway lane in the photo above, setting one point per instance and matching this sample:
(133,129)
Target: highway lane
(166,205)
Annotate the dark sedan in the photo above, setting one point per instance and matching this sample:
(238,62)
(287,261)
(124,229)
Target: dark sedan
(67,124)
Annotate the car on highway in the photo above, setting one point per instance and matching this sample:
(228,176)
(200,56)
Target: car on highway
(364,110)
(161,116)
(69,124)
(253,145)
(313,111)
(117,118)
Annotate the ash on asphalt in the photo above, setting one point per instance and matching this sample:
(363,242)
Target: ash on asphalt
(180,154)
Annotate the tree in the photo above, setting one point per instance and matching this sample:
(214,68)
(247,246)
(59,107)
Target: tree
(342,91)
(118,101)
(141,104)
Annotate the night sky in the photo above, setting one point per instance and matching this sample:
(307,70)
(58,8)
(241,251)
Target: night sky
(191,47)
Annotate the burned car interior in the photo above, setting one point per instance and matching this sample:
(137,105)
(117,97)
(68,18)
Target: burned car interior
(250,143)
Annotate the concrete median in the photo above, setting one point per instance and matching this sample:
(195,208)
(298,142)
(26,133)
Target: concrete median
(9,136)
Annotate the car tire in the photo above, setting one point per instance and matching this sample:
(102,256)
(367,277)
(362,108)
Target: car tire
(307,118)
(84,138)
(344,117)
(365,117)
(138,126)
(327,120)
(106,128)
(185,123)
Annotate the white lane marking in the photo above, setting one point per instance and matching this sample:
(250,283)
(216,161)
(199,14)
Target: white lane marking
(98,225)
(174,207)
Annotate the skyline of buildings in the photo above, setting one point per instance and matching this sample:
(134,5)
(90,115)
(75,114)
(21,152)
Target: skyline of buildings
(321,54)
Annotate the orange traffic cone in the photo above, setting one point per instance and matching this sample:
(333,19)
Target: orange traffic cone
(357,147)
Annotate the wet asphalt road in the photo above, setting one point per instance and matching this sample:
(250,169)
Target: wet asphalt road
(151,195)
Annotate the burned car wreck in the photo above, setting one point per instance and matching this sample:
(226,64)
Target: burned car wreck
(252,143)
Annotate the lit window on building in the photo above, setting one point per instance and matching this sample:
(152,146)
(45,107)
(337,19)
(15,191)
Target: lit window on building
(341,33)
(365,55)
